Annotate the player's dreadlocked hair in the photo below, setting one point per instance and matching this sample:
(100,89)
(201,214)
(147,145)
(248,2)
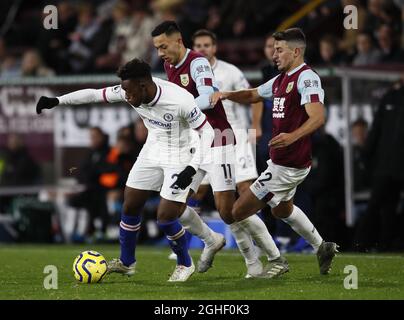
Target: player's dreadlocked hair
(167,27)
(135,69)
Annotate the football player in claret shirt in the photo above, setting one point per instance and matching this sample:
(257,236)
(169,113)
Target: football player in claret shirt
(168,160)
(193,72)
(228,78)
(298,110)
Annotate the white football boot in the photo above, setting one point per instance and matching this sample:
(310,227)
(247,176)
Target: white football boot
(182,273)
(254,270)
(172,256)
(208,253)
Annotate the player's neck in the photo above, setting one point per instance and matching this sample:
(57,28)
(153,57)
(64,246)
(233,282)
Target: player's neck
(294,65)
(183,52)
(212,61)
(151,93)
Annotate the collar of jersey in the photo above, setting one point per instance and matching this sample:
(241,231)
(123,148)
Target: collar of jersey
(179,64)
(215,64)
(156,97)
(296,69)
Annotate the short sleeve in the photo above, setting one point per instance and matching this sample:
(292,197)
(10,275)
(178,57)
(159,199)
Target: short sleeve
(192,115)
(265,90)
(201,73)
(113,94)
(309,87)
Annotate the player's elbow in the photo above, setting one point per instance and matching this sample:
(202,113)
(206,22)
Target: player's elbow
(321,120)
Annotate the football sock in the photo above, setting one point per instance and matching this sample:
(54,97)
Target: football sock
(260,234)
(244,243)
(303,226)
(193,223)
(188,235)
(177,239)
(128,229)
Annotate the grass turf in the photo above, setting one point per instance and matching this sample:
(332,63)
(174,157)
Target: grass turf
(22,277)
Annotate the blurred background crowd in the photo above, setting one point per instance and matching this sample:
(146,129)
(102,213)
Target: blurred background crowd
(97,37)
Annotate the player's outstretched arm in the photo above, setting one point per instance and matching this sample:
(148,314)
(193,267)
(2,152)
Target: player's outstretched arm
(84,96)
(245,96)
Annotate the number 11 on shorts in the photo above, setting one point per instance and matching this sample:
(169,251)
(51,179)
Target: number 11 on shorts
(227,172)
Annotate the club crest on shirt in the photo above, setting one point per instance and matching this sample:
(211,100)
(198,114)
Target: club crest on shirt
(184,79)
(289,87)
(168,117)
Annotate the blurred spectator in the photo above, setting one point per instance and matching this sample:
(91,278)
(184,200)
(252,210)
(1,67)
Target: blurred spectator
(130,38)
(385,148)
(84,40)
(32,65)
(359,131)
(348,41)
(93,198)
(121,31)
(9,66)
(138,42)
(17,168)
(329,53)
(119,162)
(269,70)
(382,12)
(366,54)
(53,44)
(390,50)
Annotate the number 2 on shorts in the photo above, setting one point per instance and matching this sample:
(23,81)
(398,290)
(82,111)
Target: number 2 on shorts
(269,177)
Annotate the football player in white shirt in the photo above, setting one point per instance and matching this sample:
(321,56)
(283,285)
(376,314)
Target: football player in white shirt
(167,162)
(193,72)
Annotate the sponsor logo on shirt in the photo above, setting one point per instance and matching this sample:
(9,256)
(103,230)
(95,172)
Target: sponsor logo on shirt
(184,79)
(160,124)
(194,115)
(278,110)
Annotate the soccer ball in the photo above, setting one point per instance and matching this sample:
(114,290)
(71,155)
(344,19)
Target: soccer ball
(89,267)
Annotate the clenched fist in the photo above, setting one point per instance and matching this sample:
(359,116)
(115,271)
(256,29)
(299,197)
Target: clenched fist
(46,103)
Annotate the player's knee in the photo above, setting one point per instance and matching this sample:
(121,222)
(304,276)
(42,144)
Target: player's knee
(164,217)
(242,187)
(281,212)
(237,211)
(226,214)
(130,208)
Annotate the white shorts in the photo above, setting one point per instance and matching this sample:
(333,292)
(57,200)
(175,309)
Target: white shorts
(278,183)
(148,175)
(244,166)
(221,170)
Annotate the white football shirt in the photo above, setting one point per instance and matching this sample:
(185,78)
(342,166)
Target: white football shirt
(170,119)
(230,78)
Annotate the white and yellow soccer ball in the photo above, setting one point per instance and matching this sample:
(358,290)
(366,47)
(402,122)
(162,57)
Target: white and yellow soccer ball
(89,267)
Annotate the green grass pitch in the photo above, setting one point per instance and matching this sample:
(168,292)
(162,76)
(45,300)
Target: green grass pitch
(22,277)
